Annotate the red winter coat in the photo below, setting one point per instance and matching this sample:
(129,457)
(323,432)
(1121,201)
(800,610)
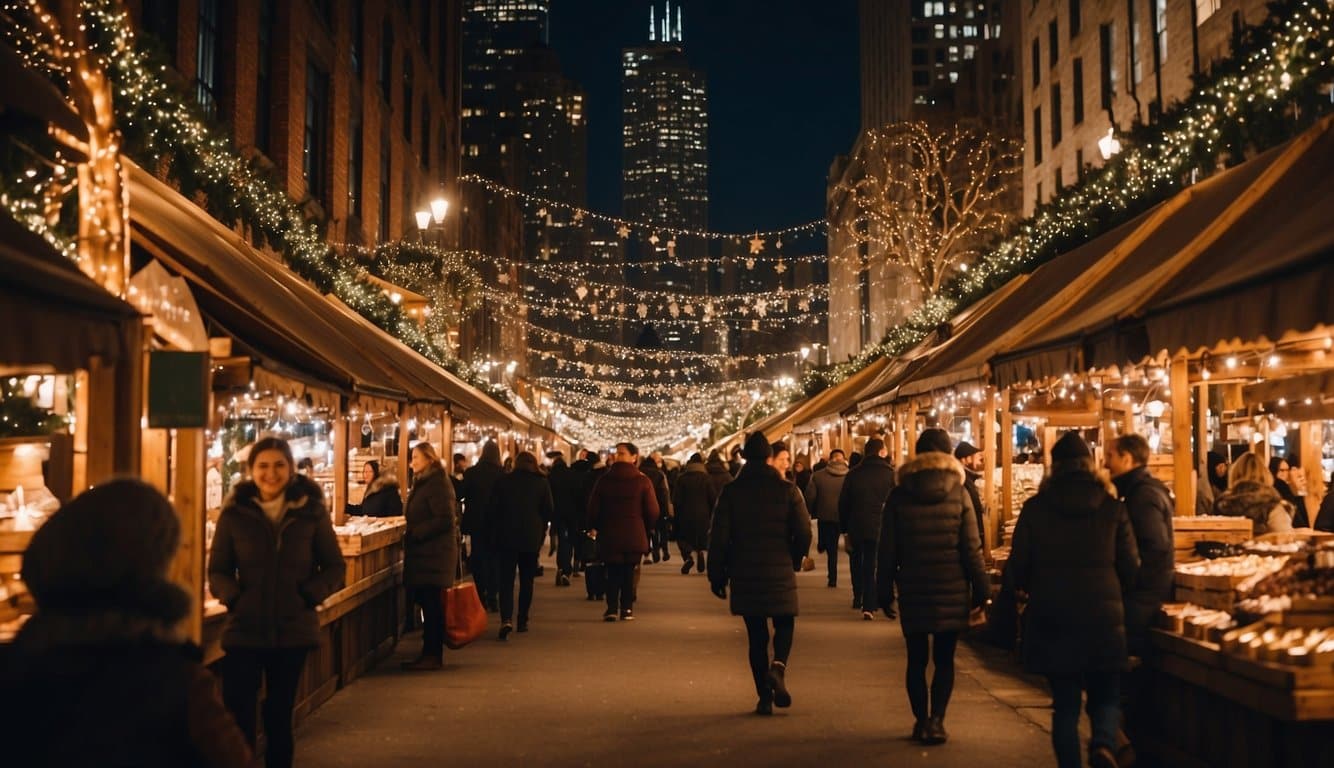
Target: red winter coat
(622,508)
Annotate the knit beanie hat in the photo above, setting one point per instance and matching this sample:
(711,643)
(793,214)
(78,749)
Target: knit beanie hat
(108,550)
(757,448)
(965,449)
(1070,446)
(934,440)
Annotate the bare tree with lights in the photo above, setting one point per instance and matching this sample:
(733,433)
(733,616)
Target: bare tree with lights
(932,201)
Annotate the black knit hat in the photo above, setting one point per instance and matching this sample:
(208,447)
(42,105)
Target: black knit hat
(965,449)
(1070,446)
(108,550)
(757,447)
(934,440)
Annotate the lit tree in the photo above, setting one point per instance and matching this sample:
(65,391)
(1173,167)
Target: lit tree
(931,201)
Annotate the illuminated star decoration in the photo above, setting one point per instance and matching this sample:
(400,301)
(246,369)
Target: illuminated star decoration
(653,238)
(623,231)
(756,244)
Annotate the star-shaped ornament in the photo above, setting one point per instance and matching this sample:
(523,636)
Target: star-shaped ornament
(756,244)
(674,309)
(581,292)
(642,311)
(623,231)
(750,263)
(504,278)
(653,238)
(804,305)
(689,309)
(780,267)
(578,215)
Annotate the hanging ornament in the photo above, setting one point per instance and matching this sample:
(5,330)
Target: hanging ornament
(780,267)
(750,263)
(504,278)
(761,308)
(804,305)
(542,214)
(642,311)
(581,292)
(653,238)
(674,310)
(756,243)
(671,248)
(578,215)
(623,231)
(689,309)
(778,244)
(579,347)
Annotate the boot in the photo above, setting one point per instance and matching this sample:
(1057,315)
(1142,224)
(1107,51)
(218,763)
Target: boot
(776,682)
(422,664)
(686,567)
(919,731)
(699,563)
(764,707)
(935,730)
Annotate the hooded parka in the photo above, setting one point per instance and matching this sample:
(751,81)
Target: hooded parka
(761,532)
(272,576)
(823,490)
(929,547)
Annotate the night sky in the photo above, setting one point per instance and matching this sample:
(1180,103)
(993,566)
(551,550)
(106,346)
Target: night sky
(783,97)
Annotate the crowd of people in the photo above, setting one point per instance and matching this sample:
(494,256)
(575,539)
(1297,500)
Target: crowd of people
(1091,559)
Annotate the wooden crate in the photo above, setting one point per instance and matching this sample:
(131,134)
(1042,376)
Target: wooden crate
(1218,599)
(1188,530)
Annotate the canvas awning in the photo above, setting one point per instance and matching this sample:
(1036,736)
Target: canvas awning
(52,316)
(1243,256)
(834,400)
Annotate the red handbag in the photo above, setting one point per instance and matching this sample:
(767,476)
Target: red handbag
(465,617)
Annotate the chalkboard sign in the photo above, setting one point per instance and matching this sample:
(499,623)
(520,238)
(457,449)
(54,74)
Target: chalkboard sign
(178,390)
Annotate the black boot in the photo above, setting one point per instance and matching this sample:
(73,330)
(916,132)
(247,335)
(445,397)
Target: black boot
(776,682)
(699,562)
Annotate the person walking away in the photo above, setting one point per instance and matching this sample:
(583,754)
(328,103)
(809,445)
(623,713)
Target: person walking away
(1074,556)
(930,548)
(1250,493)
(1285,474)
(734,466)
(566,514)
(381,498)
(970,456)
(861,506)
(693,499)
(660,534)
(103,672)
(430,551)
(479,482)
(274,559)
(1149,504)
(761,532)
(719,473)
(822,493)
(622,509)
(522,506)
(801,473)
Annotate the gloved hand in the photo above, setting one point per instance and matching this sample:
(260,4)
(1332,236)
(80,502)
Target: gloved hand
(719,591)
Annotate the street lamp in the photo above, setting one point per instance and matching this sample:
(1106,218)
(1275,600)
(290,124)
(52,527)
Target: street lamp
(433,215)
(1108,145)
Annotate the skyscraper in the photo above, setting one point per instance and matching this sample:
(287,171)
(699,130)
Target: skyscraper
(665,152)
(496,34)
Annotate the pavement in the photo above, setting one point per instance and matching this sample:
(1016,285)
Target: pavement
(673,688)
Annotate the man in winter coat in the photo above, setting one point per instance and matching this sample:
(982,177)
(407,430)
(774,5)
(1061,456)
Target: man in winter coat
(622,509)
(822,493)
(568,500)
(861,504)
(719,473)
(761,533)
(929,547)
(659,536)
(1149,504)
(479,483)
(970,456)
(520,510)
(694,499)
(1074,555)
(103,673)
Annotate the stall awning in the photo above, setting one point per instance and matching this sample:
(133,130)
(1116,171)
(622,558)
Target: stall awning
(55,317)
(834,400)
(243,296)
(1075,340)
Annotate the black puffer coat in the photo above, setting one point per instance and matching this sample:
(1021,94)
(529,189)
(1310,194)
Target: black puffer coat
(661,490)
(568,495)
(479,482)
(719,475)
(861,503)
(694,499)
(761,531)
(269,576)
(430,546)
(1074,554)
(1149,505)
(521,508)
(382,499)
(929,547)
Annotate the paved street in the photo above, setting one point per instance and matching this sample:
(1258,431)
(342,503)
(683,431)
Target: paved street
(672,688)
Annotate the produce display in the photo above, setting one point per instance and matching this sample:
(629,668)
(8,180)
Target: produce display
(1295,646)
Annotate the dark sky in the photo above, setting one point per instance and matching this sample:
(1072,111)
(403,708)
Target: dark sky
(783,97)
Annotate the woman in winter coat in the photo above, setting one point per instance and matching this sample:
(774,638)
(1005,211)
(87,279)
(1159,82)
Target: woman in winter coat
(622,509)
(521,508)
(103,673)
(430,550)
(275,558)
(1250,493)
(761,532)
(929,547)
(1074,555)
(382,498)
(693,499)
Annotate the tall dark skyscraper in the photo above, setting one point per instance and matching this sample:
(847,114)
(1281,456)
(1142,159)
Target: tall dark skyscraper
(496,35)
(665,152)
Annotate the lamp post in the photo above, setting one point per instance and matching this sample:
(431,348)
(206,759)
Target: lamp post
(1108,145)
(434,216)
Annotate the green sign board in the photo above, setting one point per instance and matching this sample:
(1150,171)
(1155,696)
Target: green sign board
(178,390)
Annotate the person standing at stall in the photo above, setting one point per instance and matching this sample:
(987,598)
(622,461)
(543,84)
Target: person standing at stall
(521,508)
(381,498)
(693,499)
(1074,555)
(479,482)
(274,559)
(622,509)
(1149,504)
(970,456)
(822,493)
(761,532)
(861,505)
(430,551)
(1250,493)
(929,548)
(1286,475)
(103,672)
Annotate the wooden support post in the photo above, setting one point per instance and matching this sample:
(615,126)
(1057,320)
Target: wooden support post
(404,446)
(911,436)
(447,439)
(895,437)
(340,449)
(1006,446)
(1310,434)
(99,425)
(187,496)
(1202,446)
(129,402)
(988,446)
(1183,459)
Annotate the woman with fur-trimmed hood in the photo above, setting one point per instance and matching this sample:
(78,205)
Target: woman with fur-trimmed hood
(929,548)
(1251,494)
